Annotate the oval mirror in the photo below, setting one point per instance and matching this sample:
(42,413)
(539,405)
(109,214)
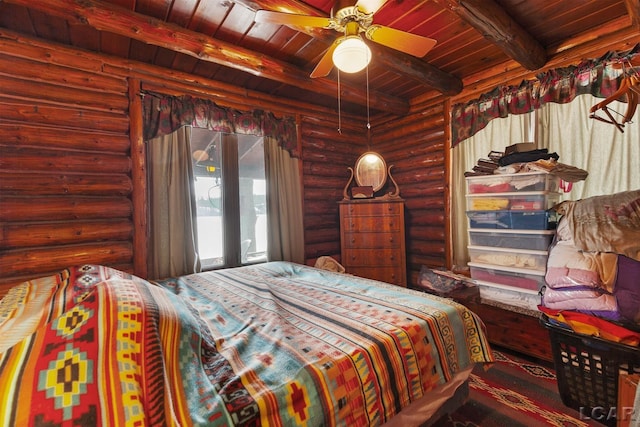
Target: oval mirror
(371,170)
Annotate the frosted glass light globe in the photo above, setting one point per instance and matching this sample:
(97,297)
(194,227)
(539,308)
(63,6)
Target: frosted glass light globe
(351,55)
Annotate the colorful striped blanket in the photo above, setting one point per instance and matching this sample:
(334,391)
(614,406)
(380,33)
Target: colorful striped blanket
(274,344)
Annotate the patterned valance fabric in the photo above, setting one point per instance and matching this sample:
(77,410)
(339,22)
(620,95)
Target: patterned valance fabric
(164,114)
(598,77)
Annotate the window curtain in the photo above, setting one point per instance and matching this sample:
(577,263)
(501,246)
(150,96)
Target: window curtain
(173,214)
(598,77)
(284,205)
(611,157)
(163,114)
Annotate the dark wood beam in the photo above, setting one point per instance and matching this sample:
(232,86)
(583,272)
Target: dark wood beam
(114,19)
(633,9)
(496,25)
(398,62)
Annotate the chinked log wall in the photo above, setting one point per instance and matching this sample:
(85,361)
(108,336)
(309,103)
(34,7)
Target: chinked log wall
(415,147)
(66,171)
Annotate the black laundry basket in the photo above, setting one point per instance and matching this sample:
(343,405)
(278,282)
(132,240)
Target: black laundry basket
(587,370)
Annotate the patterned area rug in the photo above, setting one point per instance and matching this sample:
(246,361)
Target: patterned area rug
(514,392)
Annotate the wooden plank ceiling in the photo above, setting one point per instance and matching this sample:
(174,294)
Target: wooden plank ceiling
(219,39)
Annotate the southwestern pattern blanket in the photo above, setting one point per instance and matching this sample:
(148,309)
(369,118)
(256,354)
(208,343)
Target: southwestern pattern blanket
(272,344)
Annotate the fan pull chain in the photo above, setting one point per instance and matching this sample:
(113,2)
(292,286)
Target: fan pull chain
(368,118)
(339,118)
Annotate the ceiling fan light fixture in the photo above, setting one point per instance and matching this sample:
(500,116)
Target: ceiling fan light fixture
(351,55)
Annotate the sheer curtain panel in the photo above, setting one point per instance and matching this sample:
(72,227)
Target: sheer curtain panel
(172,208)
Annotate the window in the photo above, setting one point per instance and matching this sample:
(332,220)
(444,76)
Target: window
(230,191)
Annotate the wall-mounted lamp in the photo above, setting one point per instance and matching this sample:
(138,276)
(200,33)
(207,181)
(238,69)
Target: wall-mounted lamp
(352,54)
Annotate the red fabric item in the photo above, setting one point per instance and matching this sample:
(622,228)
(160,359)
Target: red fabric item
(591,325)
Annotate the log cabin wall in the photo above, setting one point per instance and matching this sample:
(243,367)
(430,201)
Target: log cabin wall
(326,155)
(68,169)
(415,147)
(65,167)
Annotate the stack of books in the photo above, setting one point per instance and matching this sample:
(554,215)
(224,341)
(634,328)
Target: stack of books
(486,166)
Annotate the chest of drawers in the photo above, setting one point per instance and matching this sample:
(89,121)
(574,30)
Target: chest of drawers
(373,240)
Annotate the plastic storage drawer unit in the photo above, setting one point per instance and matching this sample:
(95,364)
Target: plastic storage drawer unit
(516,239)
(529,201)
(507,257)
(517,278)
(505,183)
(504,219)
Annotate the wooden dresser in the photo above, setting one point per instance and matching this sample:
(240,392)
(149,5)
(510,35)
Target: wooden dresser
(372,239)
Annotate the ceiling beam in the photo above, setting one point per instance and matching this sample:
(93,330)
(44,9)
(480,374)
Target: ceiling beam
(633,9)
(491,20)
(118,20)
(393,60)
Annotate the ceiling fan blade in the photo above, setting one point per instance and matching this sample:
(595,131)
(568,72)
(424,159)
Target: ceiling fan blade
(326,62)
(403,41)
(272,17)
(370,6)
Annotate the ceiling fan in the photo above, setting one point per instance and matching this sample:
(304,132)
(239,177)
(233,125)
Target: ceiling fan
(352,21)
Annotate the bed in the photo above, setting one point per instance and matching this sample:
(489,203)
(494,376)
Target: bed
(272,344)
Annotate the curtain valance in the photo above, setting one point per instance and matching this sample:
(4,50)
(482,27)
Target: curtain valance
(598,77)
(164,114)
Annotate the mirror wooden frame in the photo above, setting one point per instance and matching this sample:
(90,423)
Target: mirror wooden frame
(371,170)
(374,177)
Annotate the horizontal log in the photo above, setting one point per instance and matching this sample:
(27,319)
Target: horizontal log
(328,170)
(411,129)
(18,134)
(322,192)
(324,206)
(426,233)
(29,261)
(424,190)
(437,138)
(323,145)
(73,119)
(415,261)
(49,93)
(41,160)
(36,71)
(326,184)
(431,174)
(315,220)
(329,156)
(417,160)
(33,208)
(427,218)
(23,235)
(321,249)
(56,184)
(321,235)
